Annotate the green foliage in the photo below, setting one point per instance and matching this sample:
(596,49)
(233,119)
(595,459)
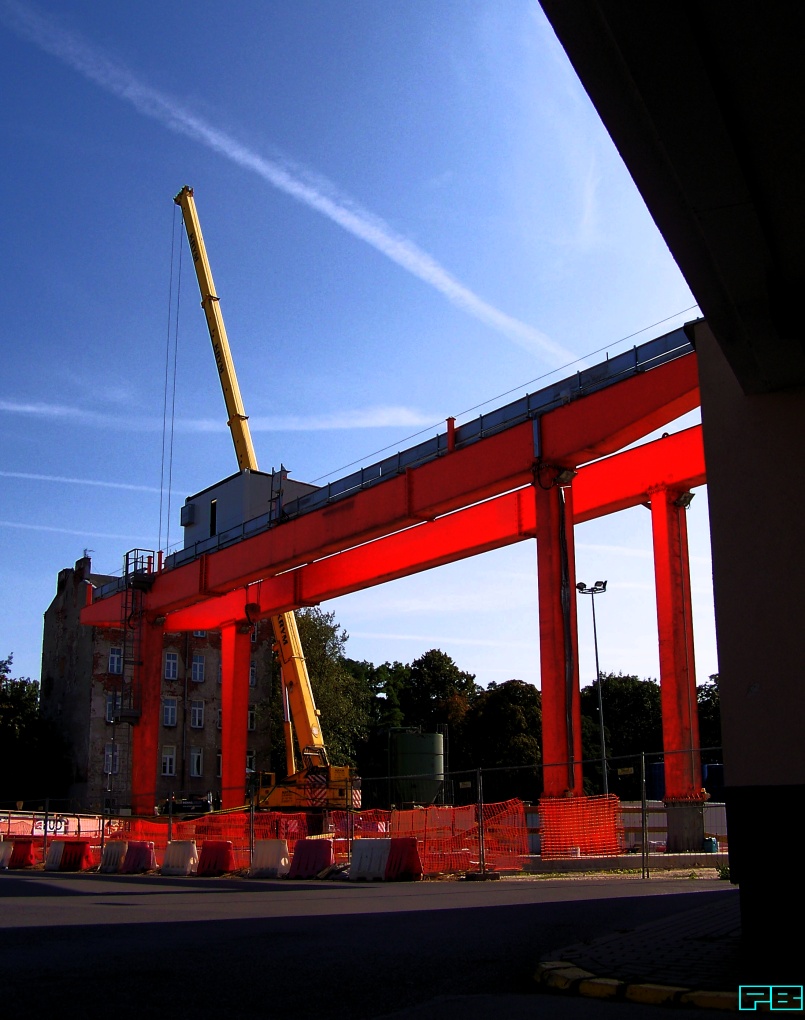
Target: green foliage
(19,703)
(32,754)
(632,723)
(708,697)
(436,692)
(505,725)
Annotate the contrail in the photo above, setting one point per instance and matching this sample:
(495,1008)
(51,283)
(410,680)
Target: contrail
(309,189)
(78,481)
(381,416)
(71,531)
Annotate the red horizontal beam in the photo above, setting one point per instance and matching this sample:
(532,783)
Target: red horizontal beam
(623,480)
(571,435)
(493,524)
(619,415)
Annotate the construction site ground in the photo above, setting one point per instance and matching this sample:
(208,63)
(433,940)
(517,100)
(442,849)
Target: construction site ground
(208,947)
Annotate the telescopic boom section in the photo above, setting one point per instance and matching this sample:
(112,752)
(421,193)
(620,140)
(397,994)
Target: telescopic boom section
(295,680)
(237,418)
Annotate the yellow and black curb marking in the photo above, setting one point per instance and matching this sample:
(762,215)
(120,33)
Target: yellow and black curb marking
(560,976)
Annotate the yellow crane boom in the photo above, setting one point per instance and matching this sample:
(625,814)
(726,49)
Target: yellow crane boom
(299,707)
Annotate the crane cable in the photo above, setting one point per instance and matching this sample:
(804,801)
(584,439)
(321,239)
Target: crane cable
(171,348)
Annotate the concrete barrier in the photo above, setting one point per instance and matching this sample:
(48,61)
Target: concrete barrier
(310,857)
(113,854)
(271,859)
(6,846)
(53,859)
(140,856)
(216,857)
(181,857)
(370,858)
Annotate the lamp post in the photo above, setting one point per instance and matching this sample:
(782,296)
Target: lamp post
(598,589)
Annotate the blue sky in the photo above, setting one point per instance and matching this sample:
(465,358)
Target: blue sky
(410,209)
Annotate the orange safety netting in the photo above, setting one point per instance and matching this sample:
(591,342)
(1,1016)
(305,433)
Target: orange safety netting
(448,838)
(580,827)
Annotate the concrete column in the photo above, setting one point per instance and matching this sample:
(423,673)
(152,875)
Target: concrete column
(558,638)
(235,655)
(756,487)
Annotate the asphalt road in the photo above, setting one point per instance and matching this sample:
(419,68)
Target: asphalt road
(104,945)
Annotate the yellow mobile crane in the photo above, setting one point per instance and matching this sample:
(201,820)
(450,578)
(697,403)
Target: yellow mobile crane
(317,783)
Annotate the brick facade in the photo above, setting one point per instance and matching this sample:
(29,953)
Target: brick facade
(81,683)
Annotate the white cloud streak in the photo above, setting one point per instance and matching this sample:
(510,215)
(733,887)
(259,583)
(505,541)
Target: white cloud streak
(72,531)
(380,416)
(62,480)
(310,189)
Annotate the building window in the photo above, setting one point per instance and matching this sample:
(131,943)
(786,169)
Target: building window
(169,711)
(199,633)
(110,760)
(168,760)
(250,760)
(197,715)
(197,674)
(116,660)
(171,665)
(218,717)
(220,672)
(252,674)
(219,764)
(252,717)
(196,761)
(114,703)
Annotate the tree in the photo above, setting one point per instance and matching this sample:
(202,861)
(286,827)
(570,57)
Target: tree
(32,754)
(709,702)
(503,729)
(505,722)
(632,724)
(436,691)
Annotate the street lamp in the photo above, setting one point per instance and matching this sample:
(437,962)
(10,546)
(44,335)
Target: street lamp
(598,589)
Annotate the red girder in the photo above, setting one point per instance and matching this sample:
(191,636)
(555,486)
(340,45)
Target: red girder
(571,434)
(615,483)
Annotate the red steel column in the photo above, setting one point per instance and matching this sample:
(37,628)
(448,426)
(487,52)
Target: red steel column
(680,714)
(145,751)
(235,655)
(558,637)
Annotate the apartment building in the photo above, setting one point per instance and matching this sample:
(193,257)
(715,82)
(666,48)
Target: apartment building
(82,692)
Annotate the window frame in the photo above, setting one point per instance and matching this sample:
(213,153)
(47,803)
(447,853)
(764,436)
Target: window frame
(111,758)
(171,660)
(170,706)
(198,668)
(197,714)
(114,705)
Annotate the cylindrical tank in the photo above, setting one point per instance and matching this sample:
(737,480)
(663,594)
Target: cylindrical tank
(414,755)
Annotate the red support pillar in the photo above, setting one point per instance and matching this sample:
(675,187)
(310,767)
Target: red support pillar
(145,754)
(235,655)
(558,637)
(680,714)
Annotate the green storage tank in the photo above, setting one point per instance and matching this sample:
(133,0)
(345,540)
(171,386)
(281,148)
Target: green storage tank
(414,755)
